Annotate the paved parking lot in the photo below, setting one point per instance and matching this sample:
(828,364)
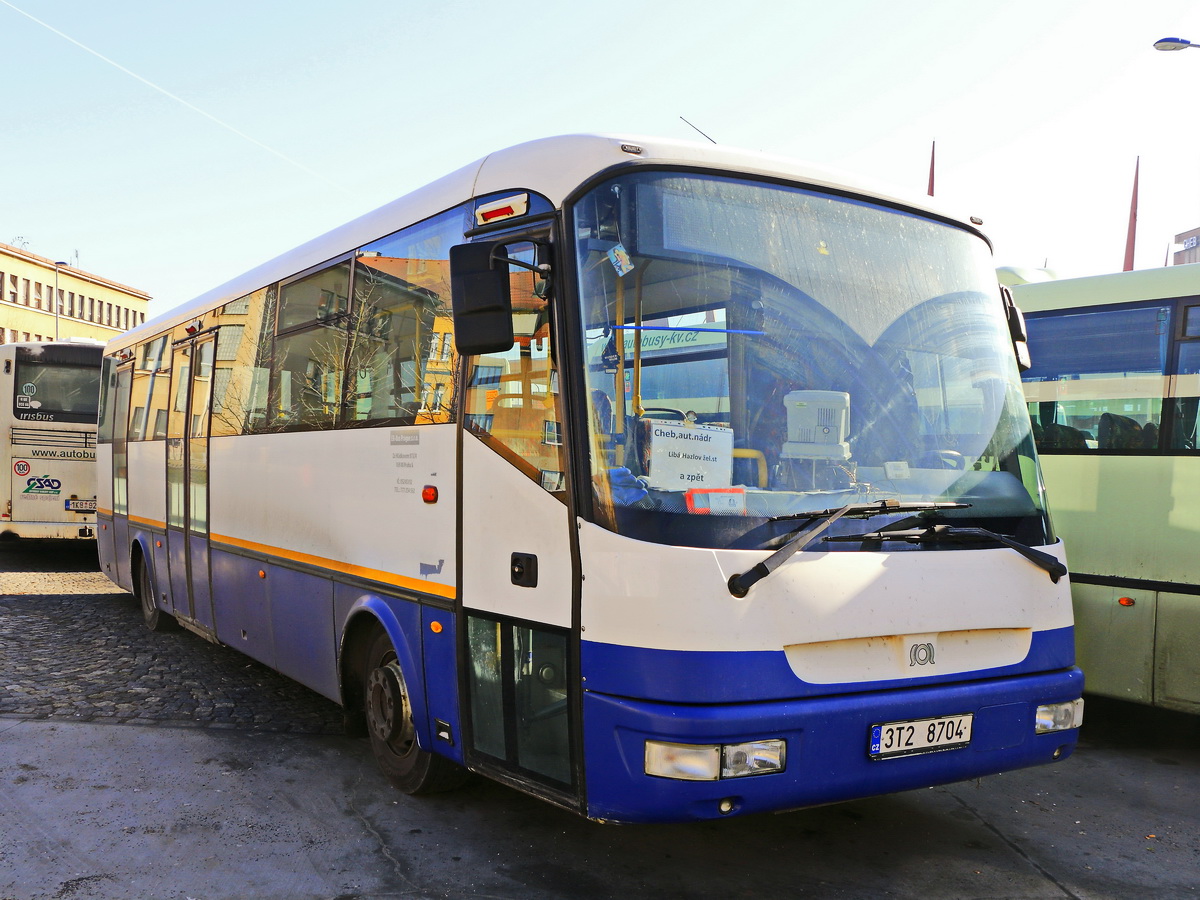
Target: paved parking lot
(139,765)
(74,647)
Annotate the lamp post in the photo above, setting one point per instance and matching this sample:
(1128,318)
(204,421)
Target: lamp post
(57,301)
(1173,43)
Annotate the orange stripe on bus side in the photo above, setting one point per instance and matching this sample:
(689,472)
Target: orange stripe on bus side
(414,584)
(404,581)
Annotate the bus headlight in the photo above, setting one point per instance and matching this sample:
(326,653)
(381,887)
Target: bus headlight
(753,758)
(1059,716)
(711,762)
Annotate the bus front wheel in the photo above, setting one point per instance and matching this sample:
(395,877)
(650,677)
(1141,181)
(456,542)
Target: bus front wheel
(155,618)
(393,733)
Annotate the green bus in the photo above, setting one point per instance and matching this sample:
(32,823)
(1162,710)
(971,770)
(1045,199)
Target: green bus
(1113,395)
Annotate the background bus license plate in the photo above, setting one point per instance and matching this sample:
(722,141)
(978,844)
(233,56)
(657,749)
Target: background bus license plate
(81,505)
(920,736)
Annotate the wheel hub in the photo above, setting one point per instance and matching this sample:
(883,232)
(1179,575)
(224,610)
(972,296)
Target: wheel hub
(387,705)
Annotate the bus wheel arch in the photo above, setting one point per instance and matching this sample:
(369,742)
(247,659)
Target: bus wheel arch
(379,703)
(144,589)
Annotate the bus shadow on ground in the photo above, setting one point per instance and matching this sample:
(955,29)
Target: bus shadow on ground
(1122,724)
(48,556)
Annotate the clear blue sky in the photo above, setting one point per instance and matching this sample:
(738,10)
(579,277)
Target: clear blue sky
(176,144)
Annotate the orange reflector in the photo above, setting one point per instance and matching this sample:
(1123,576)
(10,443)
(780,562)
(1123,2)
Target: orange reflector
(158,543)
(1126,601)
(262,573)
(435,627)
(429,494)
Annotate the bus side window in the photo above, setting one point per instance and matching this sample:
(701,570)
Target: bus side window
(310,350)
(150,395)
(402,362)
(1098,377)
(239,400)
(512,398)
(1187,386)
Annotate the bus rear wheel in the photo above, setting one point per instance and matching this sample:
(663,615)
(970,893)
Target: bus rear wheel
(393,733)
(155,618)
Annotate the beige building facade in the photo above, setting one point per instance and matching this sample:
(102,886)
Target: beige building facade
(88,306)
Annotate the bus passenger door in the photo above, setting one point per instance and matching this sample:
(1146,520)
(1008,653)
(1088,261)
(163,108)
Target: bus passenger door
(187,484)
(516,560)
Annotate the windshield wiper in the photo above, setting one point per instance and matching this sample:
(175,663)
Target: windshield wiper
(740,584)
(936,533)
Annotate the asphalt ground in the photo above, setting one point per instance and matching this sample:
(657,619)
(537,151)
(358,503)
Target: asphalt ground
(135,764)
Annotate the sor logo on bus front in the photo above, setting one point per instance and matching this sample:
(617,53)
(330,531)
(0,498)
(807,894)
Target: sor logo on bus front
(42,485)
(920,655)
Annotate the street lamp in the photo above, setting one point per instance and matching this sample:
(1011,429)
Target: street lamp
(57,301)
(1174,44)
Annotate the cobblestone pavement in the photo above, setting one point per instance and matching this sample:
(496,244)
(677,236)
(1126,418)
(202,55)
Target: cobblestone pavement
(73,646)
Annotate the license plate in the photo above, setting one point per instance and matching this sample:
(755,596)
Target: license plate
(81,505)
(920,736)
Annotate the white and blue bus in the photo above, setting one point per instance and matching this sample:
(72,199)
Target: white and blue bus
(658,480)
(49,393)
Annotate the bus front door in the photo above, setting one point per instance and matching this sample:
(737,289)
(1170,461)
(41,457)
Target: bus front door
(516,565)
(187,484)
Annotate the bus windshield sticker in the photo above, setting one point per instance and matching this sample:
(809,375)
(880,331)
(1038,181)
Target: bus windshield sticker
(619,257)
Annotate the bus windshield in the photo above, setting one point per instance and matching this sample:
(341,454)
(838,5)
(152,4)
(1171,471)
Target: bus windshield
(757,351)
(57,383)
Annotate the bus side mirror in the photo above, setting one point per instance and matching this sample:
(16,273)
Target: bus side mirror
(1017,331)
(481,299)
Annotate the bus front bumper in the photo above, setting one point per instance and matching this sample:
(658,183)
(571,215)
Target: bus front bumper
(827,756)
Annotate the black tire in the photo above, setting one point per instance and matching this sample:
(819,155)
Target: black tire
(155,618)
(391,730)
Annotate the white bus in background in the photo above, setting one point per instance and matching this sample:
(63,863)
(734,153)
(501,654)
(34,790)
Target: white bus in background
(49,394)
(660,481)
(1114,393)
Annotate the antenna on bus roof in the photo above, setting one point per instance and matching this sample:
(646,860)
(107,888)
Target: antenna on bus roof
(697,129)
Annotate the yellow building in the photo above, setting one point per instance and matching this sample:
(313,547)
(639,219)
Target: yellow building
(88,306)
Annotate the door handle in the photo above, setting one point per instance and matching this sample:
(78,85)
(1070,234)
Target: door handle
(523,569)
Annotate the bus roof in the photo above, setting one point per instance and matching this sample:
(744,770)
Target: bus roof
(1117,287)
(553,167)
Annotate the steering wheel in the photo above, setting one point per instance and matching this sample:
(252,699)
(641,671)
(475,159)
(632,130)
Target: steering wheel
(941,459)
(671,412)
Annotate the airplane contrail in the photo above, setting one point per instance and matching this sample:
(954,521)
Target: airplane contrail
(166,93)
